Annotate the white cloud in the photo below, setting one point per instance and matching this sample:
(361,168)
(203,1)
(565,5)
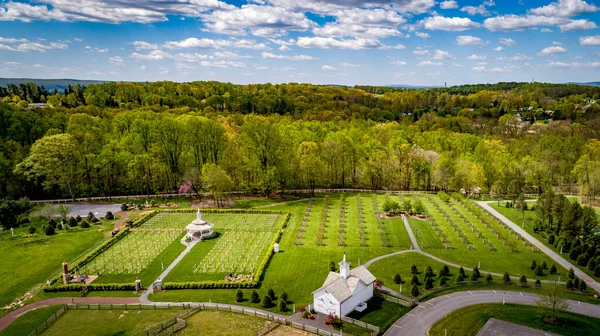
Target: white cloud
(327,68)
(109,11)
(398,62)
(330,7)
(507,41)
(24,45)
(422,35)
(481,9)
(200,59)
(467,40)
(458,65)
(513,22)
(517,57)
(377,17)
(265,21)
(429,63)
(448,24)
(556,43)
(448,4)
(155,55)
(498,48)
(573,65)
(116,60)
(590,40)
(552,50)
(206,43)
(142,45)
(288,57)
(475,57)
(143,67)
(546,30)
(421,52)
(284,48)
(77,39)
(96,49)
(332,43)
(577,25)
(350,65)
(565,8)
(442,55)
(229,55)
(356,30)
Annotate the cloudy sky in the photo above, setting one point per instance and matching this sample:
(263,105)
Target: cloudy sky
(377,42)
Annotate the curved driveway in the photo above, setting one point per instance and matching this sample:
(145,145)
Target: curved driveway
(419,320)
(563,262)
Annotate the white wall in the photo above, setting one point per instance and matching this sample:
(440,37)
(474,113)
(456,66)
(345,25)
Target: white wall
(360,295)
(325,303)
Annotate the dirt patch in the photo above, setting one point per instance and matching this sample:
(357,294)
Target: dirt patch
(210,203)
(20,301)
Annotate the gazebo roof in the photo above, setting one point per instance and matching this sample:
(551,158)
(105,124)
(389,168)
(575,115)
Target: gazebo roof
(199,224)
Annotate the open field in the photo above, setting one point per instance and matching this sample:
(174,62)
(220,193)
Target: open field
(469,320)
(29,321)
(108,322)
(21,267)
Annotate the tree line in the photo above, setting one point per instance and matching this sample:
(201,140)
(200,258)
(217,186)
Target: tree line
(309,137)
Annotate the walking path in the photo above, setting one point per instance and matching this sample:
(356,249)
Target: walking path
(563,262)
(9,318)
(163,275)
(413,239)
(419,320)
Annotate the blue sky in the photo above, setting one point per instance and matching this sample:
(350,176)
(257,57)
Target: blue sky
(376,42)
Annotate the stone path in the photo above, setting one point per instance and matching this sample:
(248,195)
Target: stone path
(419,320)
(413,239)
(560,260)
(7,319)
(163,275)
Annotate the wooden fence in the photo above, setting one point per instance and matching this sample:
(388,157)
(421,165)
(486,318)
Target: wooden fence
(46,324)
(396,300)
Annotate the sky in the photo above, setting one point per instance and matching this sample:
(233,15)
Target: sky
(348,42)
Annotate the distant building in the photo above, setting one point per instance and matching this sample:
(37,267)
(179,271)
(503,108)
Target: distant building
(345,291)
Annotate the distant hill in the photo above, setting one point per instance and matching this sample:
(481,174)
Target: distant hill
(50,84)
(406,86)
(587,83)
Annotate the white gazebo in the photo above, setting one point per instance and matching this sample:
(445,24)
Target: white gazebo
(199,228)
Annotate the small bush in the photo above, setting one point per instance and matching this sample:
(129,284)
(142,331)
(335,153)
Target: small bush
(85,224)
(459,278)
(428,272)
(506,278)
(266,302)
(124,207)
(414,280)
(254,297)
(78,219)
(489,278)
(571,274)
(582,286)
(413,269)
(551,239)
(397,279)
(544,265)
(446,270)
(284,296)
(271,293)
(533,265)
(72,222)
(49,230)
(428,283)
(31,229)
(281,305)
(476,273)
(597,270)
(553,269)
(442,282)
(474,277)
(414,291)
(109,215)
(52,223)
(239,296)
(570,284)
(523,280)
(90,216)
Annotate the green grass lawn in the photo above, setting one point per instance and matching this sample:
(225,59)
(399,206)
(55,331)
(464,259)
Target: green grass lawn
(30,261)
(29,321)
(516,216)
(108,322)
(469,320)
(221,323)
(380,313)
(499,261)
(426,236)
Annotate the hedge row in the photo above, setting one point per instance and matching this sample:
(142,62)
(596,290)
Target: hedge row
(246,211)
(91,287)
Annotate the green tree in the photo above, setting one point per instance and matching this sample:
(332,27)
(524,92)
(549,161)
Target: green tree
(414,280)
(239,295)
(281,305)
(551,305)
(216,181)
(533,265)
(397,279)
(254,297)
(428,283)
(414,291)
(553,269)
(266,302)
(271,293)
(506,278)
(413,269)
(489,278)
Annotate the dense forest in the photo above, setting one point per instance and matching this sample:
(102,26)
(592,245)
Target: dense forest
(123,138)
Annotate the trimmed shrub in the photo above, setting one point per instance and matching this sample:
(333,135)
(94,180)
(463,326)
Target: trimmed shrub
(538,283)
(523,280)
(538,271)
(544,265)
(489,278)
(397,279)
(266,302)
(49,230)
(124,207)
(446,270)
(52,223)
(271,293)
(461,271)
(254,297)
(533,265)
(428,283)
(582,286)
(414,291)
(90,216)
(570,284)
(459,278)
(476,273)
(239,296)
(474,277)
(85,224)
(414,280)
(78,219)
(442,282)
(506,278)
(428,272)
(31,229)
(576,283)
(571,274)
(413,269)
(553,269)
(283,296)
(72,222)
(332,267)
(591,264)
(281,305)
(109,215)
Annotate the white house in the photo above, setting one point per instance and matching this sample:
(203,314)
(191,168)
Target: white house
(345,291)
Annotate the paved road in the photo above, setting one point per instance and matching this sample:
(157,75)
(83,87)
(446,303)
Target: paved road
(413,239)
(563,262)
(163,275)
(7,319)
(419,320)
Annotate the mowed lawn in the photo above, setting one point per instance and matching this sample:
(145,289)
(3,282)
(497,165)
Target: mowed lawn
(108,322)
(29,321)
(499,261)
(469,320)
(30,261)
(301,269)
(516,216)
